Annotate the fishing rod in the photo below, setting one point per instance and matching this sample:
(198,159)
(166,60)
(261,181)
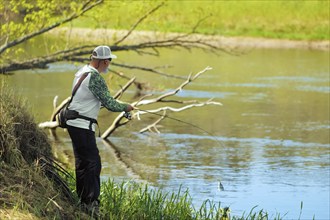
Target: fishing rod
(129,116)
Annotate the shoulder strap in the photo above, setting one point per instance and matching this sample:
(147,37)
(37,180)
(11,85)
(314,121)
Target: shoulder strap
(79,83)
(76,87)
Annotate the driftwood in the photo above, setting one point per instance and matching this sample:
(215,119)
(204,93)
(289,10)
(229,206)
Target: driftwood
(120,120)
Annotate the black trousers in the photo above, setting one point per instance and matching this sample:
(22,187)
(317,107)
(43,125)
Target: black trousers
(87,163)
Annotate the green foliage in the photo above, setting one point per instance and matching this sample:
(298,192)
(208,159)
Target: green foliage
(21,18)
(130,200)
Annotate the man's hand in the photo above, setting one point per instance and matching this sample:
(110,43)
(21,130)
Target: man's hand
(128,115)
(129,108)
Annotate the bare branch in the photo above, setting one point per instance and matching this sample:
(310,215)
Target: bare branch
(153,125)
(153,70)
(53,124)
(123,89)
(141,112)
(148,69)
(117,122)
(138,22)
(75,53)
(174,92)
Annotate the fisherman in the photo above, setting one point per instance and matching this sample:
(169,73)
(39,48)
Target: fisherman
(90,95)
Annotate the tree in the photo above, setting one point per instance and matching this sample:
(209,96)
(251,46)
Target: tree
(23,21)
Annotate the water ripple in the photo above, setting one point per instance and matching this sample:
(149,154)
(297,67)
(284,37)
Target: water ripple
(252,141)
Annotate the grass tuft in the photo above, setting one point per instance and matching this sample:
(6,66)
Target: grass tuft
(129,200)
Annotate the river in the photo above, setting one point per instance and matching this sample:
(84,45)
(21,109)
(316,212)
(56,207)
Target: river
(268,144)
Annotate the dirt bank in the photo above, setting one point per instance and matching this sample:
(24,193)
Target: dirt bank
(108,36)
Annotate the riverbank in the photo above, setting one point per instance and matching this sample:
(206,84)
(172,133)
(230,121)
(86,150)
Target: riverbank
(280,19)
(109,36)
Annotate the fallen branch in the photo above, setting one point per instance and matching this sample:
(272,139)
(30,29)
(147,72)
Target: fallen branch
(53,124)
(118,121)
(153,125)
(174,92)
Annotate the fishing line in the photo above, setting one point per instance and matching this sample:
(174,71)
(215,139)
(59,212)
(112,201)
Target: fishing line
(188,123)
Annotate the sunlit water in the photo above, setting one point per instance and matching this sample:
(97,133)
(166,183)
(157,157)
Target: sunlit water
(268,144)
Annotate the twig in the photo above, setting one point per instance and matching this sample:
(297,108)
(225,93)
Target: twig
(153,70)
(209,102)
(123,89)
(174,92)
(153,125)
(138,22)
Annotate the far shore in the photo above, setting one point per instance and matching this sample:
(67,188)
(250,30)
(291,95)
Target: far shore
(109,36)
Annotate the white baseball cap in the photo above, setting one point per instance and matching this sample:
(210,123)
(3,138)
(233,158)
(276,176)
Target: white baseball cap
(103,53)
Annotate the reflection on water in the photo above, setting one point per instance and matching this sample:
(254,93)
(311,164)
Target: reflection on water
(270,142)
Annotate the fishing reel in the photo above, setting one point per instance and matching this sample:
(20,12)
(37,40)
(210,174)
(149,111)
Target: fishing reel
(128,115)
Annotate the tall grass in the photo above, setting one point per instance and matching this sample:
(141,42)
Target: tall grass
(130,200)
(288,19)
(26,192)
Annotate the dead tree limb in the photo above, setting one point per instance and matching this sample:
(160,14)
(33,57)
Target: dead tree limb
(124,88)
(53,124)
(120,121)
(175,91)
(153,70)
(154,111)
(74,54)
(153,126)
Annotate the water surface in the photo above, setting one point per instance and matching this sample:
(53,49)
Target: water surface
(269,142)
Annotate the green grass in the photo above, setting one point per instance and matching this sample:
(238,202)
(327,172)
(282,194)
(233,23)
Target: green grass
(130,200)
(302,20)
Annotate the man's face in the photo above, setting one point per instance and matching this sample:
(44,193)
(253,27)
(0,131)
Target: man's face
(106,64)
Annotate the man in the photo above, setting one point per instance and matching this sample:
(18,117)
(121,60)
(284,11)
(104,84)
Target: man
(91,94)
